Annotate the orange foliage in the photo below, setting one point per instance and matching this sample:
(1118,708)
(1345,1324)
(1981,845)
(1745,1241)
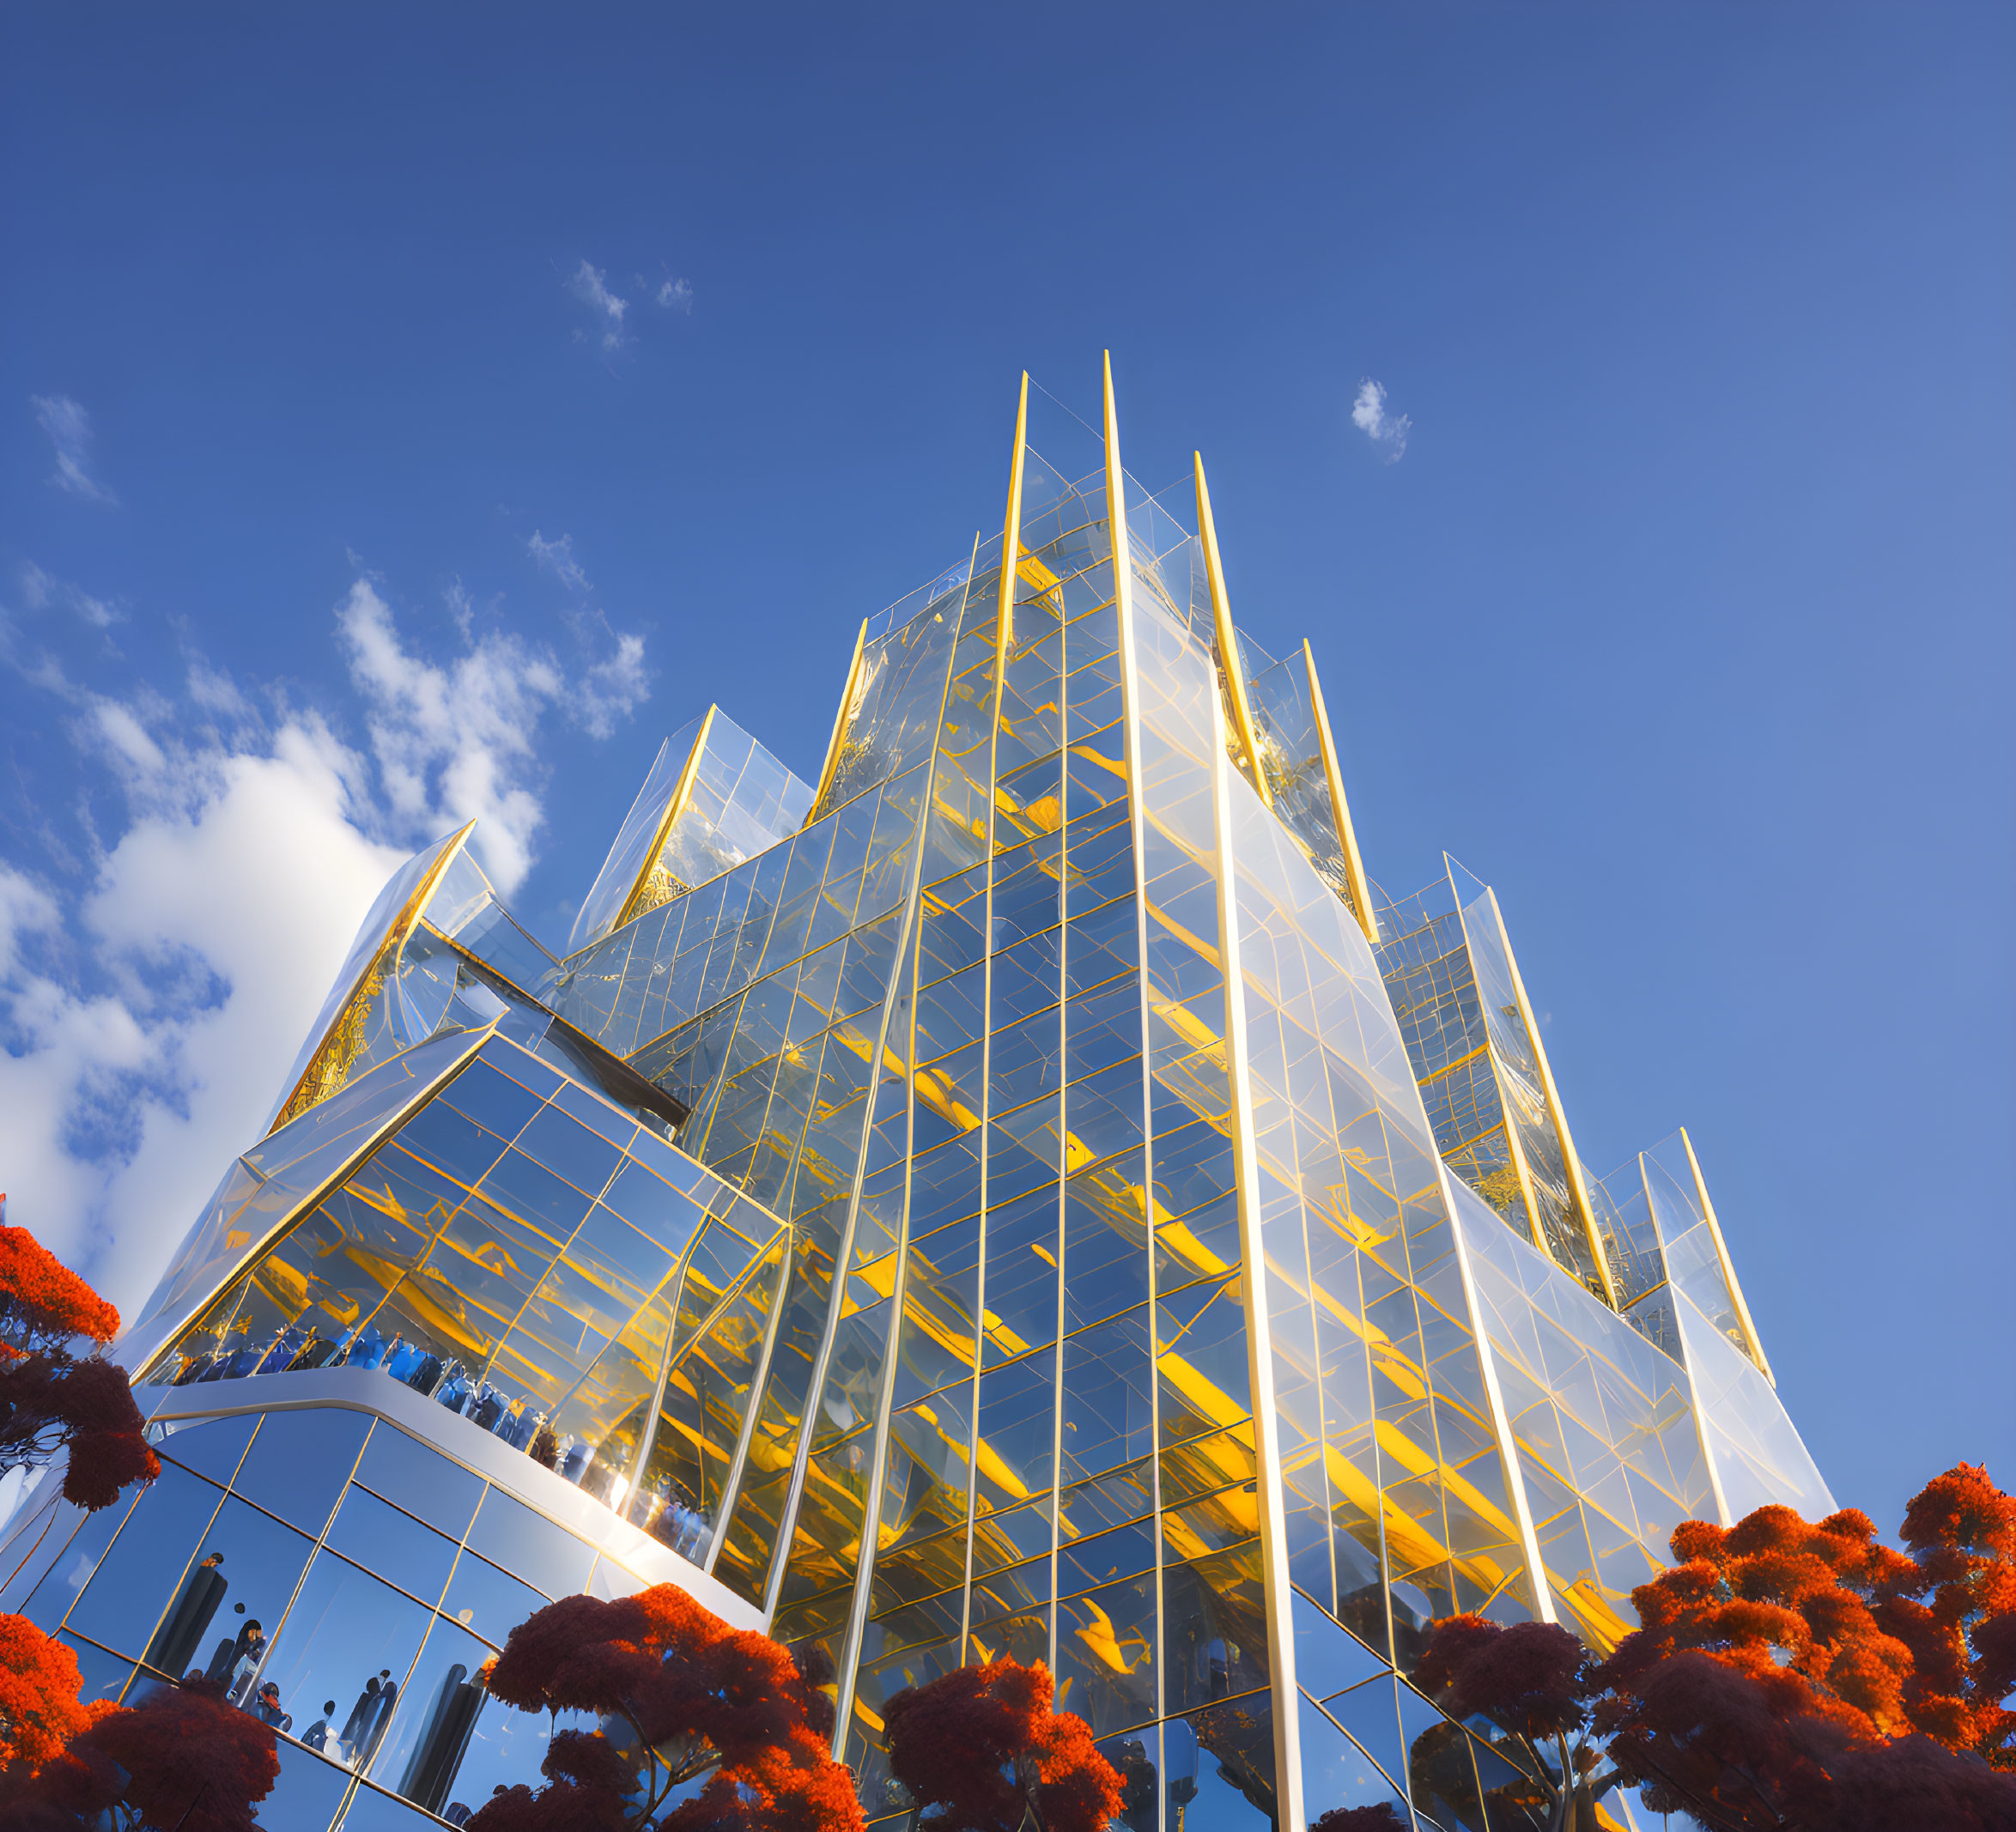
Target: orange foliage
(982,1745)
(183,1758)
(42,1302)
(691,1696)
(1787,1604)
(38,1708)
(49,1400)
(1785,1674)
(1956,1611)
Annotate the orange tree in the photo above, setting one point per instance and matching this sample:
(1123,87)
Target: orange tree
(182,1761)
(39,1709)
(1955,1609)
(1785,1676)
(681,1696)
(50,1398)
(1533,1681)
(1765,1691)
(982,1746)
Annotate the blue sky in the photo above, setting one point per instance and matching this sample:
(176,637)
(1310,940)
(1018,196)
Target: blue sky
(407,416)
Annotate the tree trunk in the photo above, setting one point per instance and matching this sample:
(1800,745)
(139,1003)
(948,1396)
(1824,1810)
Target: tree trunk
(1563,1817)
(1026,1782)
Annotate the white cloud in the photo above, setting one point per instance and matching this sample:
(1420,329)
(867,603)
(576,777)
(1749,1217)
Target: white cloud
(68,427)
(453,743)
(676,295)
(590,285)
(557,557)
(39,591)
(613,688)
(1369,415)
(121,729)
(149,1009)
(123,1103)
(25,909)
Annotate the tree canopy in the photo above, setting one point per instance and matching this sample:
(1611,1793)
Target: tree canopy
(680,1695)
(1775,1681)
(50,1398)
(1535,1682)
(983,1746)
(39,1709)
(182,1760)
(1956,1611)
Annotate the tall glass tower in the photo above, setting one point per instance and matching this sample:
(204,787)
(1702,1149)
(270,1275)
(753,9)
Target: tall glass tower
(1030,1192)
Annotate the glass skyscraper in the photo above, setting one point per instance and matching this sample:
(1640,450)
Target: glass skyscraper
(1029,1191)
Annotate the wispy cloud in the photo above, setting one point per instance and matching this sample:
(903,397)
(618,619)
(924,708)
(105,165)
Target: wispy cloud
(557,557)
(457,740)
(1369,415)
(676,294)
(151,1001)
(41,590)
(68,427)
(611,688)
(591,286)
(614,686)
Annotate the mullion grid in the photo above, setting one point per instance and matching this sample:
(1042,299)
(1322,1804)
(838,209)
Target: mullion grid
(793,1497)
(1066,1004)
(356,1782)
(1052,1559)
(1121,548)
(903,990)
(1003,633)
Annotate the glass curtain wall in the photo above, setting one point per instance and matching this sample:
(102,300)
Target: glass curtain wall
(1449,971)
(335,1571)
(1080,1242)
(1035,1409)
(529,1256)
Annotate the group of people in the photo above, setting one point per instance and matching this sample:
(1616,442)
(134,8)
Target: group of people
(234,1664)
(685,1530)
(297,1347)
(355,1743)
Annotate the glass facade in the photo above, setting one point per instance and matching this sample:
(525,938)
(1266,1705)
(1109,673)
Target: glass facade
(1029,1193)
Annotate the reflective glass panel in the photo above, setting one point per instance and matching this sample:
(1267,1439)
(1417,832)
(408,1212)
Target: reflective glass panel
(131,1587)
(543,1554)
(348,1642)
(421,1480)
(300,1461)
(379,1537)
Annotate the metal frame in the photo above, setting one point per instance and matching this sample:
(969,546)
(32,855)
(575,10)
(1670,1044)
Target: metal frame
(396,934)
(1701,1437)
(840,719)
(1119,546)
(731,1483)
(1722,1254)
(845,1667)
(1701,1430)
(1354,866)
(1517,1151)
(1501,1419)
(1228,637)
(902,986)
(681,794)
(1010,548)
(1275,1583)
(1578,1189)
(1003,642)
